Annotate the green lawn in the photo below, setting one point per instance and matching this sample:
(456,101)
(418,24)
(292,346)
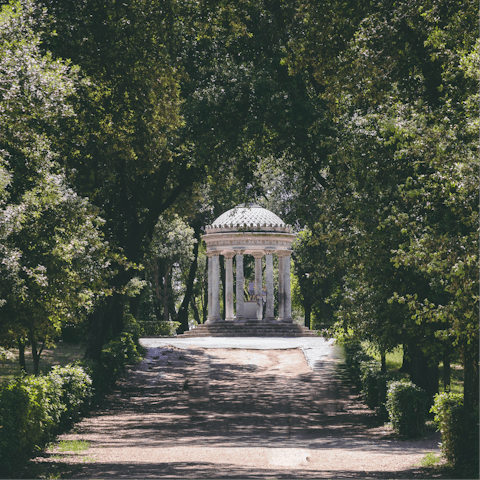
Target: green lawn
(394,359)
(394,362)
(62,354)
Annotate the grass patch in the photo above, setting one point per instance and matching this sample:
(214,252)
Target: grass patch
(429,460)
(62,354)
(456,378)
(393,359)
(73,446)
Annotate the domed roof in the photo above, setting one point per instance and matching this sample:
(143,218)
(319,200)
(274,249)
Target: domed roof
(248,217)
(248,214)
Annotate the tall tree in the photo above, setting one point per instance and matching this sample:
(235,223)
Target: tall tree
(53,256)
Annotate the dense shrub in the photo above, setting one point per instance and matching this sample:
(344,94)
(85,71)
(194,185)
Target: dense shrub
(406,405)
(148,329)
(459,435)
(370,371)
(117,354)
(32,409)
(354,356)
(76,392)
(29,413)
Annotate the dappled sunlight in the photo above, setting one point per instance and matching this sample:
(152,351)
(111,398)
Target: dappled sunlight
(259,413)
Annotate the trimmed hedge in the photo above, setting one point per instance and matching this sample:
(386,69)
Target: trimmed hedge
(370,371)
(460,444)
(33,409)
(354,357)
(149,328)
(406,406)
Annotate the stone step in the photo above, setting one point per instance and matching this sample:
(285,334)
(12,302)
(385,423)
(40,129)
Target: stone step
(251,328)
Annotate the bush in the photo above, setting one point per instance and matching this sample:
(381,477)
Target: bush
(406,406)
(117,354)
(32,409)
(158,328)
(76,392)
(354,356)
(459,435)
(29,413)
(370,371)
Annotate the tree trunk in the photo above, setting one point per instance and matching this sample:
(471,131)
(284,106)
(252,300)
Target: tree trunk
(117,311)
(182,316)
(165,294)
(308,313)
(21,355)
(470,377)
(446,370)
(195,310)
(99,325)
(36,354)
(422,372)
(383,360)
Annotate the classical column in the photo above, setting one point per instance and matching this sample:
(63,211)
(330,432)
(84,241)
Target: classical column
(258,283)
(269,314)
(215,288)
(281,289)
(240,314)
(228,284)
(210,302)
(287,288)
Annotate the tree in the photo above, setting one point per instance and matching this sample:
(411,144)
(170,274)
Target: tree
(400,81)
(53,254)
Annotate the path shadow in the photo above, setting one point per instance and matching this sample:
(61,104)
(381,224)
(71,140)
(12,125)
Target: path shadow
(193,398)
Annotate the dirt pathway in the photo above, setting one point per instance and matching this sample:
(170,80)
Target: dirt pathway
(213,413)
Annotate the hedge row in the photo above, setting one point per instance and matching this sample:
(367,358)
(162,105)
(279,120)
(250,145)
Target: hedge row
(148,328)
(389,394)
(34,409)
(460,438)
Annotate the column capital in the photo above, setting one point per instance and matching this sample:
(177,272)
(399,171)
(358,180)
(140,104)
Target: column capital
(228,254)
(283,253)
(258,254)
(212,253)
(239,251)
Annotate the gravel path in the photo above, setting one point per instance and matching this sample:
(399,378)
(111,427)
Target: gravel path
(238,408)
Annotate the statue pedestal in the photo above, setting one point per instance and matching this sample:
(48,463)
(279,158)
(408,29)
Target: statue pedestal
(250,310)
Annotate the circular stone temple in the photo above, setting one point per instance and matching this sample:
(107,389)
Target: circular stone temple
(249,229)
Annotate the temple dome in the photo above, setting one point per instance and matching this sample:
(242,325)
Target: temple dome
(247,214)
(247,217)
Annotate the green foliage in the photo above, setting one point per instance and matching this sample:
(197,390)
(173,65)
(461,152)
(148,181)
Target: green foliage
(73,445)
(460,434)
(429,460)
(370,371)
(117,354)
(76,392)
(32,409)
(406,405)
(158,328)
(354,357)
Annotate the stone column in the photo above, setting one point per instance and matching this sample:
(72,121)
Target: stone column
(281,288)
(269,313)
(258,283)
(287,288)
(215,301)
(210,302)
(229,285)
(240,314)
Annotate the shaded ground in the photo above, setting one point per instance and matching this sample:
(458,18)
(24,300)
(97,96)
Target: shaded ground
(213,413)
